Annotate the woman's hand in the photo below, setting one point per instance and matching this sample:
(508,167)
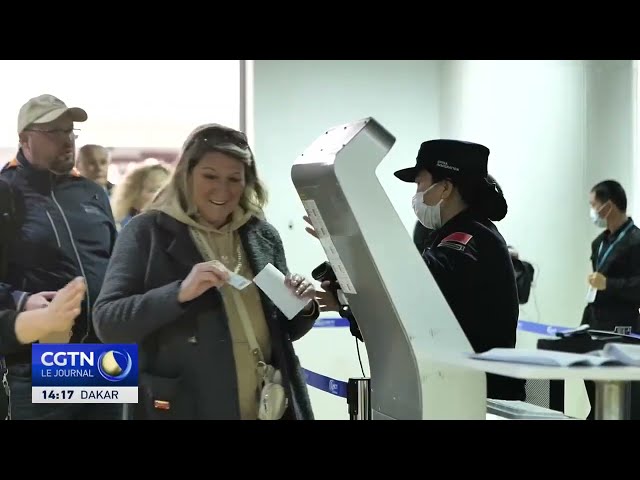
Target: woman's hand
(201,278)
(300,286)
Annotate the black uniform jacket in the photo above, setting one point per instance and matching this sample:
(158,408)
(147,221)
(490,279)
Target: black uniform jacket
(471,264)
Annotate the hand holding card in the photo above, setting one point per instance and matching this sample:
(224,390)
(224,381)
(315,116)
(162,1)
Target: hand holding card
(201,278)
(272,282)
(235,280)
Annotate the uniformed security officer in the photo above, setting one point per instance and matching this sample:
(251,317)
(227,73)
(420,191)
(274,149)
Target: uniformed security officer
(524,270)
(466,254)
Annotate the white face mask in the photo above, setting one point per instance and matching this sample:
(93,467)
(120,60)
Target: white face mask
(428,215)
(597,219)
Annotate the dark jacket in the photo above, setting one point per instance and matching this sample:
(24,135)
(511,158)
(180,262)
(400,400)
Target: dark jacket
(186,349)
(524,271)
(8,340)
(618,305)
(471,264)
(421,236)
(65,229)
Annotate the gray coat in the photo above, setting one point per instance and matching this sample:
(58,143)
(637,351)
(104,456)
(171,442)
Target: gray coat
(185,350)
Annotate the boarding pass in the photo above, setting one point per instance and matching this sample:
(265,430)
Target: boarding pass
(238,281)
(235,280)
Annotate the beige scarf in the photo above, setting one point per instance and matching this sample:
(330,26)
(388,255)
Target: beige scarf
(224,244)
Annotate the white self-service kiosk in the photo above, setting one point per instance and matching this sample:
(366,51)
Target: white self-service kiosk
(399,308)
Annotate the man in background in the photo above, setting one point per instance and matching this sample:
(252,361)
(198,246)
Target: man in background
(64,229)
(613,295)
(614,285)
(93,163)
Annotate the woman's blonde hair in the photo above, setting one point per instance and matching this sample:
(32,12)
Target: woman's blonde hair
(127,192)
(206,139)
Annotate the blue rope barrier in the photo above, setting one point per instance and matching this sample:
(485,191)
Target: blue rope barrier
(331,323)
(326,384)
(339,388)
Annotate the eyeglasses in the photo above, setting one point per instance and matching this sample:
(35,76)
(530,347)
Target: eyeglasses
(58,132)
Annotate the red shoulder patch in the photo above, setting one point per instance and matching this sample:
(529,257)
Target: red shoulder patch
(458,237)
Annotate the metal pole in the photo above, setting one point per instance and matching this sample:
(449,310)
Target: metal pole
(247,123)
(613,400)
(243,96)
(358,398)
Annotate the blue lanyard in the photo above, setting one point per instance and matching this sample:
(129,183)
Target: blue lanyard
(602,258)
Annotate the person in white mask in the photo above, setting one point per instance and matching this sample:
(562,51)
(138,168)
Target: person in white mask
(466,253)
(613,296)
(457,201)
(613,290)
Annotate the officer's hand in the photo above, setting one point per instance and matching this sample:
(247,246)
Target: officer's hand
(310,230)
(598,281)
(327,300)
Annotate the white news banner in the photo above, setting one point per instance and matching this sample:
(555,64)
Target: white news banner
(84,395)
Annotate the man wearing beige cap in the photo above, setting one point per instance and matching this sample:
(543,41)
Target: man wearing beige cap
(64,228)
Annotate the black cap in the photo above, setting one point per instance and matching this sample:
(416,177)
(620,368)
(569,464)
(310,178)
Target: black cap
(465,162)
(452,158)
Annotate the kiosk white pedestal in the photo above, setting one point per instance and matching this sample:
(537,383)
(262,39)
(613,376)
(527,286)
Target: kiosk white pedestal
(612,383)
(384,279)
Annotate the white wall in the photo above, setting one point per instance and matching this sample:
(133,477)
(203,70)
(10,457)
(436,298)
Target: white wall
(130,103)
(295,101)
(533,116)
(635,85)
(610,126)
(554,128)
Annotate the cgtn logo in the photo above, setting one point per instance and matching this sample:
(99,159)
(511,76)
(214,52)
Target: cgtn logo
(84,373)
(115,365)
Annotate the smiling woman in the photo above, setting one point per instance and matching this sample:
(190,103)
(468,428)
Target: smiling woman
(216,175)
(171,288)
